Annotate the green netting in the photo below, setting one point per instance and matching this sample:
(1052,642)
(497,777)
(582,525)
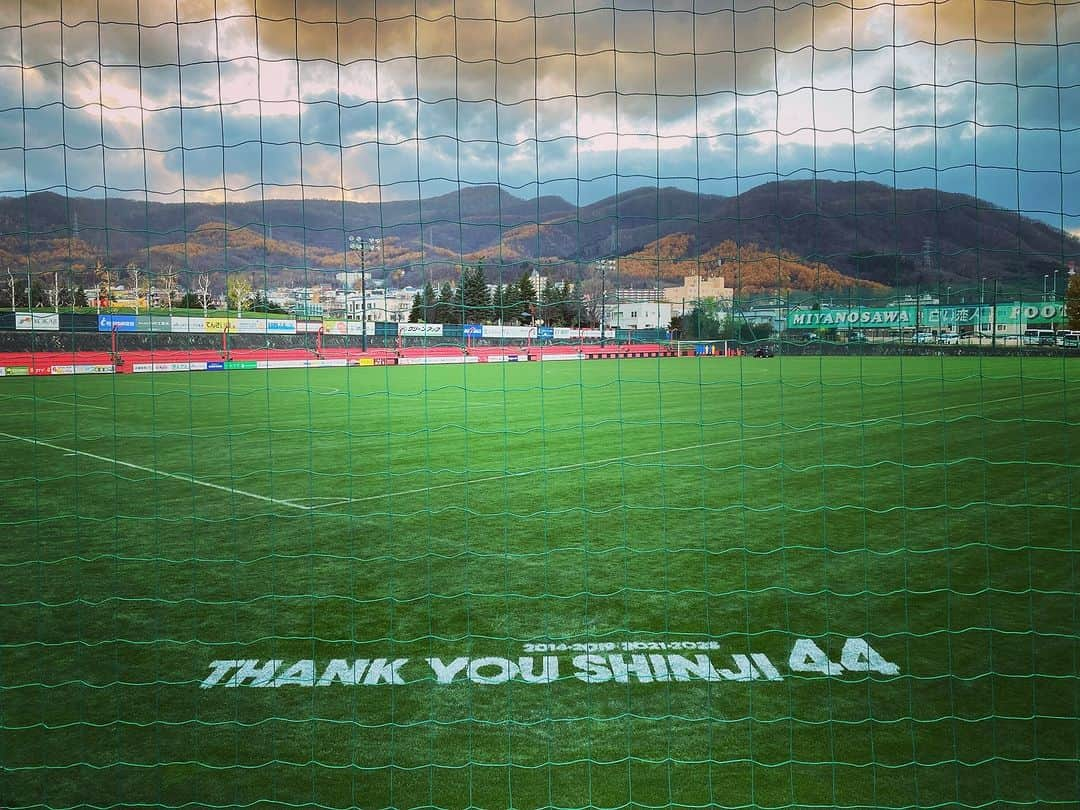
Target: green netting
(501,404)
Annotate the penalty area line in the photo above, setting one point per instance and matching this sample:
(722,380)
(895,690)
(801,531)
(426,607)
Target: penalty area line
(175,476)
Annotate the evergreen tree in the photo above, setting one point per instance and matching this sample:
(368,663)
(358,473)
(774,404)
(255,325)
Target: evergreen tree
(549,303)
(475,292)
(444,309)
(511,312)
(498,303)
(527,298)
(570,306)
(428,304)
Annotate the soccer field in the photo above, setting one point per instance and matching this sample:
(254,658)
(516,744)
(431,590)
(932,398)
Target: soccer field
(796,582)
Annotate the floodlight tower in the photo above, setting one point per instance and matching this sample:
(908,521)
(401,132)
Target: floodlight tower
(604,265)
(361,245)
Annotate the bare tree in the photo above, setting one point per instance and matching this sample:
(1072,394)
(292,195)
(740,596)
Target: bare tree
(54,293)
(203,291)
(11,287)
(168,285)
(138,283)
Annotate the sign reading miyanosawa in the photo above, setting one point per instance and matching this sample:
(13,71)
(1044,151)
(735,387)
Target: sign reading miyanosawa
(607,663)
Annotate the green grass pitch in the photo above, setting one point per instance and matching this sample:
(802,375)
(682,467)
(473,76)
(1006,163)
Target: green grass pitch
(154,524)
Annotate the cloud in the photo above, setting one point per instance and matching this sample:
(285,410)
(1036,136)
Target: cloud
(361,100)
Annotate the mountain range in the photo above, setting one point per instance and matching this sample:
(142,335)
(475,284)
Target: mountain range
(849,234)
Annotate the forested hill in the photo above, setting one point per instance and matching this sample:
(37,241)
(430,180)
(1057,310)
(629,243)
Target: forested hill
(864,230)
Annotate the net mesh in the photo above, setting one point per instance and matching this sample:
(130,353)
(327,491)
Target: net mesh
(301,511)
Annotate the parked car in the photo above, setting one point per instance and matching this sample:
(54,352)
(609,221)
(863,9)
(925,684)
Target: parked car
(948,338)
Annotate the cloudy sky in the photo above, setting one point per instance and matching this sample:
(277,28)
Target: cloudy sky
(240,99)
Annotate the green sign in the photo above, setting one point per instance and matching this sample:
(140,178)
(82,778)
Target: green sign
(933,316)
(231,364)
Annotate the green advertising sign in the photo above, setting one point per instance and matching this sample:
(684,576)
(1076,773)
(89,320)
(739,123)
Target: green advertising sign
(910,316)
(233,364)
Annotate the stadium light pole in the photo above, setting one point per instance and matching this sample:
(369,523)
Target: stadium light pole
(362,245)
(1046,278)
(603,264)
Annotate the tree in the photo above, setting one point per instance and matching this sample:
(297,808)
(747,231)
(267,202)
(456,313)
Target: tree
(11,289)
(168,286)
(498,303)
(238,292)
(699,323)
(54,291)
(262,303)
(527,293)
(428,304)
(444,309)
(39,296)
(550,304)
(511,303)
(570,305)
(475,294)
(1072,301)
(203,292)
(191,300)
(106,278)
(416,313)
(138,283)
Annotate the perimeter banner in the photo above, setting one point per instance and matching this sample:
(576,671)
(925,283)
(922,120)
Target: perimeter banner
(910,316)
(37,321)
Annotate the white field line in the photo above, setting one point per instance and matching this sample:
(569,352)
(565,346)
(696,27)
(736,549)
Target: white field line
(58,402)
(700,446)
(176,476)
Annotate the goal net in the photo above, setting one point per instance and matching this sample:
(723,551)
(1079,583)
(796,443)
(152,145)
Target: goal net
(499,404)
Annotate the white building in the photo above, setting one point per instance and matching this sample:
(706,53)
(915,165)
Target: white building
(629,309)
(379,305)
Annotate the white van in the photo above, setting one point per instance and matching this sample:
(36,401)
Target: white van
(1069,340)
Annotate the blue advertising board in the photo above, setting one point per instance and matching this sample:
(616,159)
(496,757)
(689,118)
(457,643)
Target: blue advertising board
(472,330)
(215,365)
(119,323)
(546,333)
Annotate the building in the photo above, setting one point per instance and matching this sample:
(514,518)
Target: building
(698,288)
(636,309)
(378,304)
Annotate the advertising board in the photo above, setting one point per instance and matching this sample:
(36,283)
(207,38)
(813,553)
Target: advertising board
(37,321)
